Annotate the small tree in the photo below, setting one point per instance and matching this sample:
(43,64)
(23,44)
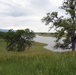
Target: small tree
(63,25)
(19,40)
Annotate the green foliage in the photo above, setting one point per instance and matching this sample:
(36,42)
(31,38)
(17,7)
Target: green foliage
(64,25)
(19,40)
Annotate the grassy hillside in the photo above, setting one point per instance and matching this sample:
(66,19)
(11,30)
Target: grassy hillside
(36,48)
(36,61)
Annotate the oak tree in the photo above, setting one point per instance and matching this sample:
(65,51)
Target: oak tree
(64,25)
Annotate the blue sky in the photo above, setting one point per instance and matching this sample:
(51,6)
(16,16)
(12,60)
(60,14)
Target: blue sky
(22,14)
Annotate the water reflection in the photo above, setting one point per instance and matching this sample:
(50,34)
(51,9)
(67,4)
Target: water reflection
(50,43)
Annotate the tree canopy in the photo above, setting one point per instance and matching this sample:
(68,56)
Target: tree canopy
(19,40)
(64,25)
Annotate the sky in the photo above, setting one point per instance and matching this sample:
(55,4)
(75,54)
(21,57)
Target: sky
(22,14)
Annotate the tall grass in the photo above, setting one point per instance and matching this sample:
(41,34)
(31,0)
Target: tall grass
(44,64)
(37,61)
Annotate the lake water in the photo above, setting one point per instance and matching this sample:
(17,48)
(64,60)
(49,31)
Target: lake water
(50,43)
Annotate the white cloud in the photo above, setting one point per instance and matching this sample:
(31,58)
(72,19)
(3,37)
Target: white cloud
(56,3)
(21,14)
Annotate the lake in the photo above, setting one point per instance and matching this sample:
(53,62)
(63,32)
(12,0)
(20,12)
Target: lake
(50,43)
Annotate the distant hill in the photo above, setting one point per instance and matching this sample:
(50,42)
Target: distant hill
(3,30)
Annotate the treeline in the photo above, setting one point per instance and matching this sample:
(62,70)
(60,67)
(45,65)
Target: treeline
(47,34)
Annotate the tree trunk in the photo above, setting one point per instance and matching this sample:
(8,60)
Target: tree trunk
(73,45)
(73,42)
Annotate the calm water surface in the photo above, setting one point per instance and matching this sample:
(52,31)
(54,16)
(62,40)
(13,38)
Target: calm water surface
(50,43)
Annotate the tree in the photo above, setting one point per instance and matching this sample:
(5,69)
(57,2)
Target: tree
(19,40)
(64,25)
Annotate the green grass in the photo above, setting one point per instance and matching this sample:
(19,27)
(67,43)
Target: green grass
(2,45)
(36,61)
(45,64)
